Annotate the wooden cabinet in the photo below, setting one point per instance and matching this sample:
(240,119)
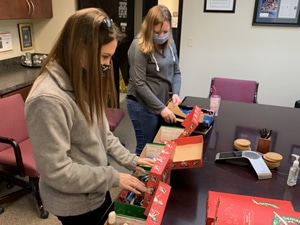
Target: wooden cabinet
(25,9)
(23,91)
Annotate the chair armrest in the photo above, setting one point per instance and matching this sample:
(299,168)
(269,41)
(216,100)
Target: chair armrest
(15,145)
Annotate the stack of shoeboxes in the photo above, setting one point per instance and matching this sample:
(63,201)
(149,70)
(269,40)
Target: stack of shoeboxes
(225,208)
(173,149)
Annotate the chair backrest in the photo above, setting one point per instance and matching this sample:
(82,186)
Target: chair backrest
(12,119)
(235,89)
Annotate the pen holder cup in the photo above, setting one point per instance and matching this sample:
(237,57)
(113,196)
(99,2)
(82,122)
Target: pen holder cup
(263,145)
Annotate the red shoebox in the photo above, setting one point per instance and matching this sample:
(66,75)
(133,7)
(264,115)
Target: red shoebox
(160,171)
(236,211)
(213,199)
(167,133)
(188,152)
(138,215)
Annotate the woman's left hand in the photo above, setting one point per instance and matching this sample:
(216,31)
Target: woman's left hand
(146,162)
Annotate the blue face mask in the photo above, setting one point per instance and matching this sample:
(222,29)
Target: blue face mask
(160,39)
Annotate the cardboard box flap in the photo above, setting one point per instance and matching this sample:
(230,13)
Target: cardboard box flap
(161,171)
(176,110)
(166,133)
(157,206)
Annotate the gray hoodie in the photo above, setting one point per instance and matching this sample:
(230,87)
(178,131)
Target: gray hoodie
(153,76)
(71,155)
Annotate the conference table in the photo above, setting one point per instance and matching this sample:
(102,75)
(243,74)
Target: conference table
(187,200)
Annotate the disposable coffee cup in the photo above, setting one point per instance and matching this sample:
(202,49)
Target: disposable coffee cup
(214,105)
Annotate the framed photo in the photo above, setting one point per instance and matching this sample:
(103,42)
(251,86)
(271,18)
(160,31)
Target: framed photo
(25,34)
(276,13)
(227,6)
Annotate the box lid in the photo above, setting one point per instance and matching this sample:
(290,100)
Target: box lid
(157,206)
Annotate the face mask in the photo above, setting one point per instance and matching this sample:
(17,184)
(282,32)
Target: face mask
(160,39)
(104,69)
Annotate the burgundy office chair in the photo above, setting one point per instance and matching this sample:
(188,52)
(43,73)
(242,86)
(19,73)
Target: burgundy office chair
(114,117)
(16,156)
(234,89)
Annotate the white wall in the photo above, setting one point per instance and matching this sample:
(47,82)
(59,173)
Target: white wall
(45,31)
(223,44)
(227,45)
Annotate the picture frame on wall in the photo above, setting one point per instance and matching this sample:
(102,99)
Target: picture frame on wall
(25,35)
(276,13)
(227,6)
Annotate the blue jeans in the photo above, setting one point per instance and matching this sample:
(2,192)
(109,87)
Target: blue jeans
(145,124)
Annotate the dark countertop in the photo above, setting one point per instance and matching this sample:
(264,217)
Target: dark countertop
(14,76)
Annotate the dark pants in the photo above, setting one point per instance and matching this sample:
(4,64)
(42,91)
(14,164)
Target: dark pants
(145,124)
(96,217)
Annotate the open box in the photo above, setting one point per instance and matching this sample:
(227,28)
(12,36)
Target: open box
(189,150)
(153,203)
(205,119)
(136,215)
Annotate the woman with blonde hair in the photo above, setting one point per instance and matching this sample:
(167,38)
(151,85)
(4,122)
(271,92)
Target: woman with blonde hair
(69,132)
(155,76)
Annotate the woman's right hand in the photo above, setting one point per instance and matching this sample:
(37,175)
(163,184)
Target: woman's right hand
(168,115)
(132,183)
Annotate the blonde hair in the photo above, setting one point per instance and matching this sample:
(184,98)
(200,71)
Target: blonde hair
(156,15)
(86,30)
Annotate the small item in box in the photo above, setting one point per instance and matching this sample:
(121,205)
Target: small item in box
(213,198)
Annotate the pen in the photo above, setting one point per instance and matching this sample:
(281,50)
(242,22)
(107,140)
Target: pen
(269,134)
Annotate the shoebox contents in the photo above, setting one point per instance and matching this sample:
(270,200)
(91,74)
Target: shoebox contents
(151,203)
(190,122)
(188,152)
(138,215)
(216,204)
(206,116)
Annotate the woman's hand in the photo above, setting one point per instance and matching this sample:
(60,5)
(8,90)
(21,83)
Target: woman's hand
(168,115)
(144,162)
(132,183)
(175,99)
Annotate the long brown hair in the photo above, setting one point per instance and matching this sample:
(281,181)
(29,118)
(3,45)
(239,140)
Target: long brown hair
(156,15)
(86,30)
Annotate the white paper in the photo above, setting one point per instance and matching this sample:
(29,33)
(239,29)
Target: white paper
(5,42)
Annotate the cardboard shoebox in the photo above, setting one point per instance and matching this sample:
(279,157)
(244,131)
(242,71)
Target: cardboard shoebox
(160,171)
(213,200)
(205,119)
(168,133)
(189,149)
(139,215)
(237,211)
(156,180)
